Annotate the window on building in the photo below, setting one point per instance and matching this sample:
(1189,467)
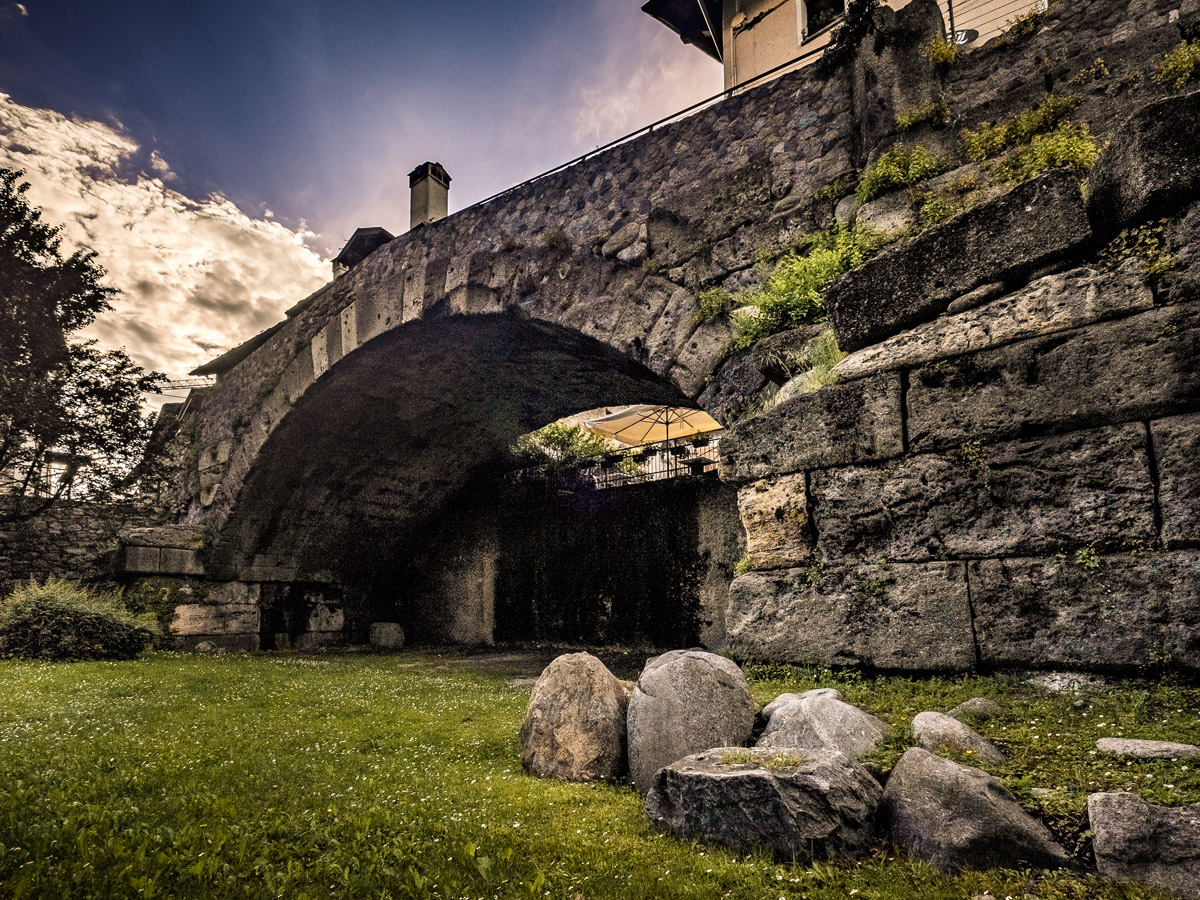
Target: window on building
(816,15)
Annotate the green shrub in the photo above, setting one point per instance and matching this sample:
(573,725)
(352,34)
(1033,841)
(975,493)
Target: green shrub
(901,166)
(940,51)
(1179,66)
(990,140)
(63,621)
(1067,145)
(1022,26)
(712,303)
(1094,72)
(792,294)
(935,112)
(813,366)
(559,443)
(744,565)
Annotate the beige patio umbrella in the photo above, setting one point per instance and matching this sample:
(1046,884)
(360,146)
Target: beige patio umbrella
(635,426)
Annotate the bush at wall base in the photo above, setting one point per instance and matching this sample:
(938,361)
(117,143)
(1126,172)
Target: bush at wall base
(60,620)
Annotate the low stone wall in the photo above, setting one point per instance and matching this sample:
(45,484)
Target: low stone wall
(1012,484)
(70,540)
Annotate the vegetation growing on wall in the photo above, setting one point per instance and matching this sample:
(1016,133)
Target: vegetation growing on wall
(901,166)
(1067,145)
(792,294)
(1179,66)
(941,52)
(991,139)
(935,112)
(1145,242)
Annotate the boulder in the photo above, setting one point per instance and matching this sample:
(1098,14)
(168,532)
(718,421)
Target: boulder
(1150,168)
(1000,240)
(977,709)
(574,727)
(890,215)
(386,636)
(823,722)
(685,701)
(1154,845)
(785,699)
(1146,749)
(933,730)
(956,817)
(818,805)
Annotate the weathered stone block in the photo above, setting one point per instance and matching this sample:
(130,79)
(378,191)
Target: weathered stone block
(1032,224)
(142,559)
(1126,612)
(207,619)
(1047,305)
(735,385)
(180,562)
(774,513)
(1011,499)
(905,616)
(1150,168)
(1177,449)
(842,424)
(1141,367)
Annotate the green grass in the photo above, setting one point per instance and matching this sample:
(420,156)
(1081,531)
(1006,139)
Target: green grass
(901,166)
(396,777)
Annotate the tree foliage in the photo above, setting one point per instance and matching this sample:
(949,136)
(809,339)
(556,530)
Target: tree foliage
(59,398)
(559,443)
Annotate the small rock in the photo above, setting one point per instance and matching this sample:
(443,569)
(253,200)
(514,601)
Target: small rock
(977,709)
(207,647)
(622,240)
(685,701)
(823,723)
(934,730)
(1146,749)
(386,636)
(956,817)
(822,807)
(574,727)
(1067,682)
(1153,845)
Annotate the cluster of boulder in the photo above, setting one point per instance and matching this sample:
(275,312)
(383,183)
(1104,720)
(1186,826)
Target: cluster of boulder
(682,735)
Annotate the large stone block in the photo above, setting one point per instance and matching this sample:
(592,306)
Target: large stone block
(1141,367)
(1150,168)
(1010,499)
(1032,224)
(1050,304)
(207,619)
(912,617)
(1177,449)
(842,424)
(1123,613)
(774,513)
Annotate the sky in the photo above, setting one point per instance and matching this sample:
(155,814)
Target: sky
(217,154)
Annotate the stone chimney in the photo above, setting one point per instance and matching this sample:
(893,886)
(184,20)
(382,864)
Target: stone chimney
(430,198)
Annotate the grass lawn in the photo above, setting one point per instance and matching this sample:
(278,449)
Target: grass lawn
(377,777)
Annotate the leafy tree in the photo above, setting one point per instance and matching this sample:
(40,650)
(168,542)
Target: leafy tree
(59,399)
(559,443)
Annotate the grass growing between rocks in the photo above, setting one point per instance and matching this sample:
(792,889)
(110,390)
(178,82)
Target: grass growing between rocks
(277,776)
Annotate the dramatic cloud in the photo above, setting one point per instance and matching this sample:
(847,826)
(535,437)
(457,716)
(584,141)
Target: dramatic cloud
(197,276)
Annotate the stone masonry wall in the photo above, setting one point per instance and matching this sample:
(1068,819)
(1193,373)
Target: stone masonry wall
(1006,484)
(71,540)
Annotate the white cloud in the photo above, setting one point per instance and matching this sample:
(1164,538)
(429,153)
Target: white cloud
(645,75)
(197,276)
